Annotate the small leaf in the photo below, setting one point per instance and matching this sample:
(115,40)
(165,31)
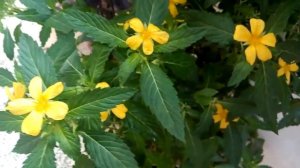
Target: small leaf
(34,62)
(204,96)
(6,78)
(58,22)
(42,155)
(17,32)
(96,61)
(205,120)
(218,28)
(45,34)
(151,11)
(89,104)
(26,144)
(10,122)
(233,145)
(32,15)
(40,6)
(160,96)
(8,44)
(108,151)
(96,27)
(180,39)
(128,66)
(240,73)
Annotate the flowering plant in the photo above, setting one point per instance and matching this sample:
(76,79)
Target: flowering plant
(168,83)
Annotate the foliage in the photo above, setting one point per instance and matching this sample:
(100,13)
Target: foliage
(168,98)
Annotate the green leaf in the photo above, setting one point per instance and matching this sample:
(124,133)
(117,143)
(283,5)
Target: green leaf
(89,104)
(289,50)
(34,62)
(181,38)
(96,61)
(205,96)
(240,72)
(84,161)
(239,107)
(6,78)
(218,28)
(151,11)
(58,22)
(160,96)
(45,34)
(32,15)
(108,151)
(8,44)
(42,155)
(233,145)
(17,32)
(26,144)
(40,6)
(205,120)
(10,122)
(96,27)
(68,140)
(278,21)
(182,65)
(128,66)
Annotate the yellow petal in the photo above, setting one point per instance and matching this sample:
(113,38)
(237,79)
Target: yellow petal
(134,42)
(19,90)
(293,67)
(53,90)
(173,10)
(280,72)
(57,110)
(21,106)
(250,53)
(161,37)
(217,118)
(241,33)
(224,124)
(102,85)
(120,111)
(281,62)
(257,26)
(8,93)
(136,24)
(35,87)
(288,77)
(269,40)
(32,124)
(219,107)
(148,46)
(152,28)
(182,2)
(104,116)
(263,53)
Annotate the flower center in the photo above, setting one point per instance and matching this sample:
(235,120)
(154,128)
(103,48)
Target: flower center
(146,34)
(223,114)
(254,40)
(41,104)
(286,68)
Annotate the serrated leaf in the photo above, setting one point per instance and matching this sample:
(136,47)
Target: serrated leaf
(182,65)
(128,66)
(240,72)
(42,156)
(26,144)
(58,22)
(45,34)
(40,6)
(34,62)
(89,104)
(17,32)
(219,28)
(8,44)
(10,122)
(68,141)
(32,15)
(233,145)
(96,61)
(6,77)
(160,96)
(84,161)
(278,21)
(205,120)
(204,96)
(96,27)
(151,11)
(181,38)
(108,151)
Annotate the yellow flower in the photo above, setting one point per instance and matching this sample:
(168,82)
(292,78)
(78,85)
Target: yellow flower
(18,91)
(221,116)
(145,35)
(172,6)
(256,40)
(38,106)
(125,25)
(119,111)
(286,69)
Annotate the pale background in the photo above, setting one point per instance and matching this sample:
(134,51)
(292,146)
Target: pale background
(280,151)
